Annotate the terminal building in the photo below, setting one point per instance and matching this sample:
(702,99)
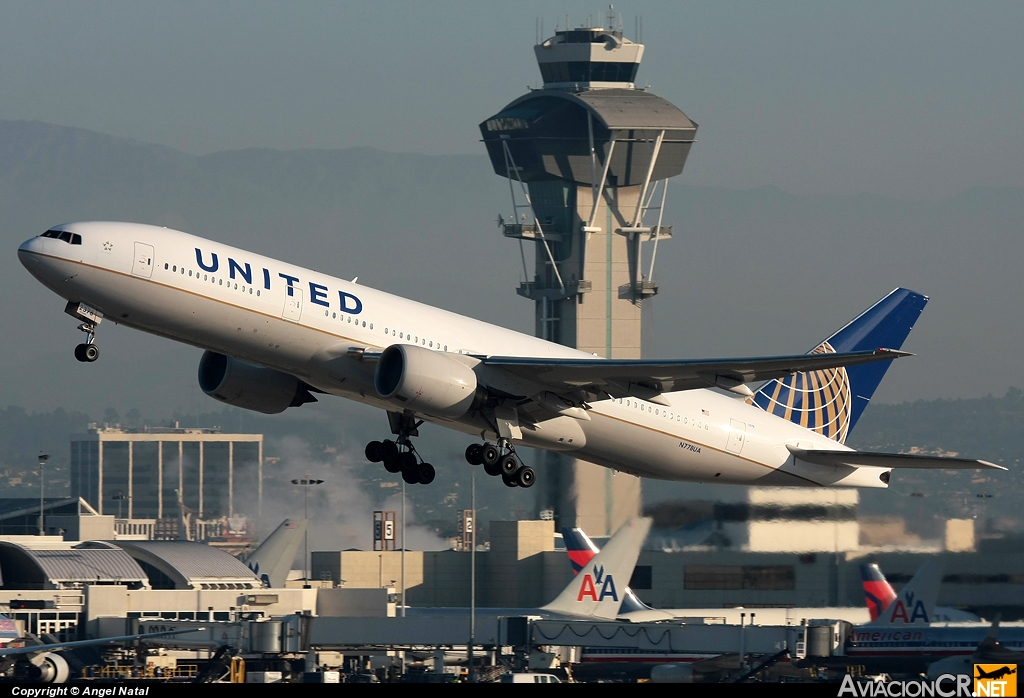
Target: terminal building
(168,479)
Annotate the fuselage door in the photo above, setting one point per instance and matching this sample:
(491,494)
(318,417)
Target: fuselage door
(293,304)
(737,433)
(143,264)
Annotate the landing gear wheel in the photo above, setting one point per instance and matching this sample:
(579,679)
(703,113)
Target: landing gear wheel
(508,465)
(509,481)
(474,455)
(374,452)
(391,457)
(489,454)
(493,470)
(411,475)
(525,476)
(426,473)
(87,353)
(408,461)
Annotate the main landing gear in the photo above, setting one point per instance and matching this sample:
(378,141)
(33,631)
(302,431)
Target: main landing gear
(501,459)
(400,456)
(88,352)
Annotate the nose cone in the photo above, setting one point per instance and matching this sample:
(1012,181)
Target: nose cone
(28,253)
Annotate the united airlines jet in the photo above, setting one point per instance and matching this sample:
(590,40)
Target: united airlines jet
(276,335)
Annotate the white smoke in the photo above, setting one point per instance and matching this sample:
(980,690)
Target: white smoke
(340,509)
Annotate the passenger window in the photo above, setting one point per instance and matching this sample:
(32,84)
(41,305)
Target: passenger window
(166,266)
(257,293)
(364,323)
(334,316)
(174,268)
(371,325)
(236,287)
(205,277)
(446,347)
(222,282)
(431,345)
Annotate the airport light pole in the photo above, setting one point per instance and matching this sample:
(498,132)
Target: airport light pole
(403,561)
(42,490)
(119,497)
(305,483)
(472,575)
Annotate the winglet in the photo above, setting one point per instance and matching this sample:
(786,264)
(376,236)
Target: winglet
(597,591)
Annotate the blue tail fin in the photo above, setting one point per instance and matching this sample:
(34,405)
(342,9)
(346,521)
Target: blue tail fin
(831,401)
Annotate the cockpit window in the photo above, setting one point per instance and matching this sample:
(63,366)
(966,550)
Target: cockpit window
(68,237)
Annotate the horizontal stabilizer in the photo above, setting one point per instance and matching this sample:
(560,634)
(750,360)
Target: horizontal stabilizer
(890,460)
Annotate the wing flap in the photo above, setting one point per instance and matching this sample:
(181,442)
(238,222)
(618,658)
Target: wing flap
(890,460)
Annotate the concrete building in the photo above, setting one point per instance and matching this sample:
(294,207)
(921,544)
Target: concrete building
(161,473)
(588,157)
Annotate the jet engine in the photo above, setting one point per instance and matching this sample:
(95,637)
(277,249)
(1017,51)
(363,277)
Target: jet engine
(242,384)
(426,381)
(49,667)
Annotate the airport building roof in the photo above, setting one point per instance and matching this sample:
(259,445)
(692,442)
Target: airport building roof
(22,567)
(178,564)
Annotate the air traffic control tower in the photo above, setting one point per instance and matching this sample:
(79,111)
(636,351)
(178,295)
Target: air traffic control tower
(588,158)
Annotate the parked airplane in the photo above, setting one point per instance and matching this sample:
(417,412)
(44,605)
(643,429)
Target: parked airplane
(274,334)
(916,602)
(989,651)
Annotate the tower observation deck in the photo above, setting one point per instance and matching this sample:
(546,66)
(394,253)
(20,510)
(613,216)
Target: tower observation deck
(588,157)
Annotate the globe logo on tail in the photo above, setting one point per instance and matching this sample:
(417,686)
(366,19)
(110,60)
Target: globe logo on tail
(816,400)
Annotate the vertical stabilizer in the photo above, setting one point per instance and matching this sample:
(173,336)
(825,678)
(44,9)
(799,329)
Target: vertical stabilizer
(272,561)
(915,603)
(878,593)
(598,589)
(831,401)
(581,550)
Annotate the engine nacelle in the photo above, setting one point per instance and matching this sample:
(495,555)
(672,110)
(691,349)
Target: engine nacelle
(426,381)
(49,668)
(242,384)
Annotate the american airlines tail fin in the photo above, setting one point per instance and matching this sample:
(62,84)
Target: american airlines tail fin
(915,603)
(272,561)
(581,551)
(831,401)
(878,593)
(599,588)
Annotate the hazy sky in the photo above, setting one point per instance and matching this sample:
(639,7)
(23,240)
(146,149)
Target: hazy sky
(910,99)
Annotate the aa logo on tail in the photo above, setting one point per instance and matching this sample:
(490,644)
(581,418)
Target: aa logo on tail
(597,586)
(910,612)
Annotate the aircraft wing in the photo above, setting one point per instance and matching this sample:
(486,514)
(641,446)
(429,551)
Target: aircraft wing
(891,460)
(647,379)
(57,646)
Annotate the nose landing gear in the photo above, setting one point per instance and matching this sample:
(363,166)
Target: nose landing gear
(501,460)
(88,351)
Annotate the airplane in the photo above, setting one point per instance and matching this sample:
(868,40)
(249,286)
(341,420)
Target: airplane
(42,662)
(272,560)
(916,602)
(274,334)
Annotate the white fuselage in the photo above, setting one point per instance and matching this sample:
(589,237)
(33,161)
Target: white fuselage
(304,323)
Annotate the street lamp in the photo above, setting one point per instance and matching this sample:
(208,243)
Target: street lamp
(42,489)
(119,497)
(305,483)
